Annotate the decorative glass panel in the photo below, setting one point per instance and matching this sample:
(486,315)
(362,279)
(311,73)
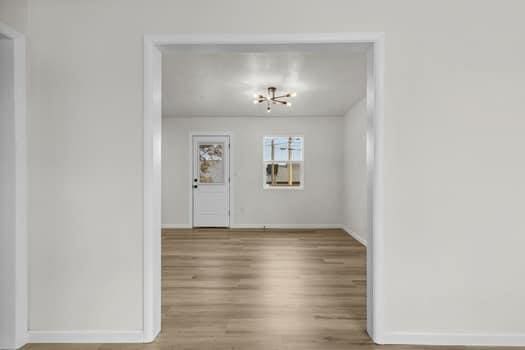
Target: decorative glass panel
(283,148)
(211,163)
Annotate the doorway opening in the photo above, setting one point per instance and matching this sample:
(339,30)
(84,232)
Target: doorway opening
(154,47)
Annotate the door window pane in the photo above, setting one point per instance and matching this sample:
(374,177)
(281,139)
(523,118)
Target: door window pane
(211,163)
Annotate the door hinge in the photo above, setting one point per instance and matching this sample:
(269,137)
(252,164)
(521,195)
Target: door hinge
(229,146)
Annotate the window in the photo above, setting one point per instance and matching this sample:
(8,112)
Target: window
(211,164)
(283,162)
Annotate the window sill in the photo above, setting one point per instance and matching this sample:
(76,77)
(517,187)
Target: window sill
(283,188)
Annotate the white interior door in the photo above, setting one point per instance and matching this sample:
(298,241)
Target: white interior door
(211,181)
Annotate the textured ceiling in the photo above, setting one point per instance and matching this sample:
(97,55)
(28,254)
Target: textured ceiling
(221,80)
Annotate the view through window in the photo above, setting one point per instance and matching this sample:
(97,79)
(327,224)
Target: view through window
(283,161)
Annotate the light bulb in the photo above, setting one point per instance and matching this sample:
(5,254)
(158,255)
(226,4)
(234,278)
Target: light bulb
(289,104)
(255,96)
(293,94)
(255,102)
(268,109)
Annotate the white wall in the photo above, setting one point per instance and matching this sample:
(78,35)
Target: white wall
(453,138)
(7,195)
(355,216)
(14,14)
(317,205)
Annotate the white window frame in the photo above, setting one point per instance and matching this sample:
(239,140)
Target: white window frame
(266,162)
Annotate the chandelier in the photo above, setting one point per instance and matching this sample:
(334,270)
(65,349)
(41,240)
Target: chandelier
(271,99)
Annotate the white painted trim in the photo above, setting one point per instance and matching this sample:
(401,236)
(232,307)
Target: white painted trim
(287,226)
(190,169)
(275,226)
(9,32)
(231,187)
(375,143)
(168,226)
(21,192)
(354,235)
(375,271)
(21,245)
(86,336)
(289,38)
(468,339)
(152,200)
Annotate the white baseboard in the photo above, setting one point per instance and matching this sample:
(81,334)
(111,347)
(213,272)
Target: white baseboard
(86,337)
(286,226)
(283,226)
(279,226)
(19,343)
(354,234)
(461,339)
(176,226)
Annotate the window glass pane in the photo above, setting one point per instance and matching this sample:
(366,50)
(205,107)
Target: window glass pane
(283,174)
(296,146)
(211,163)
(283,148)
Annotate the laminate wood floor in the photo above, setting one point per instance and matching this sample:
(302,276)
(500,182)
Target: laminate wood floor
(254,290)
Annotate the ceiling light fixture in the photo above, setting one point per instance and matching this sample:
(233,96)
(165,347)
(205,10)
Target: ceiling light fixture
(271,99)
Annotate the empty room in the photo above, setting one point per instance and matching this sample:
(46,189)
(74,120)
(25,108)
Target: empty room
(203,174)
(264,181)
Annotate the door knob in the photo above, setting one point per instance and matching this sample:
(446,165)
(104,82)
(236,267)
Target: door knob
(195,186)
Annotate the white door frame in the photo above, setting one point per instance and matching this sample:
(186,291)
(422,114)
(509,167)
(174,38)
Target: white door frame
(190,197)
(152,120)
(20,168)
